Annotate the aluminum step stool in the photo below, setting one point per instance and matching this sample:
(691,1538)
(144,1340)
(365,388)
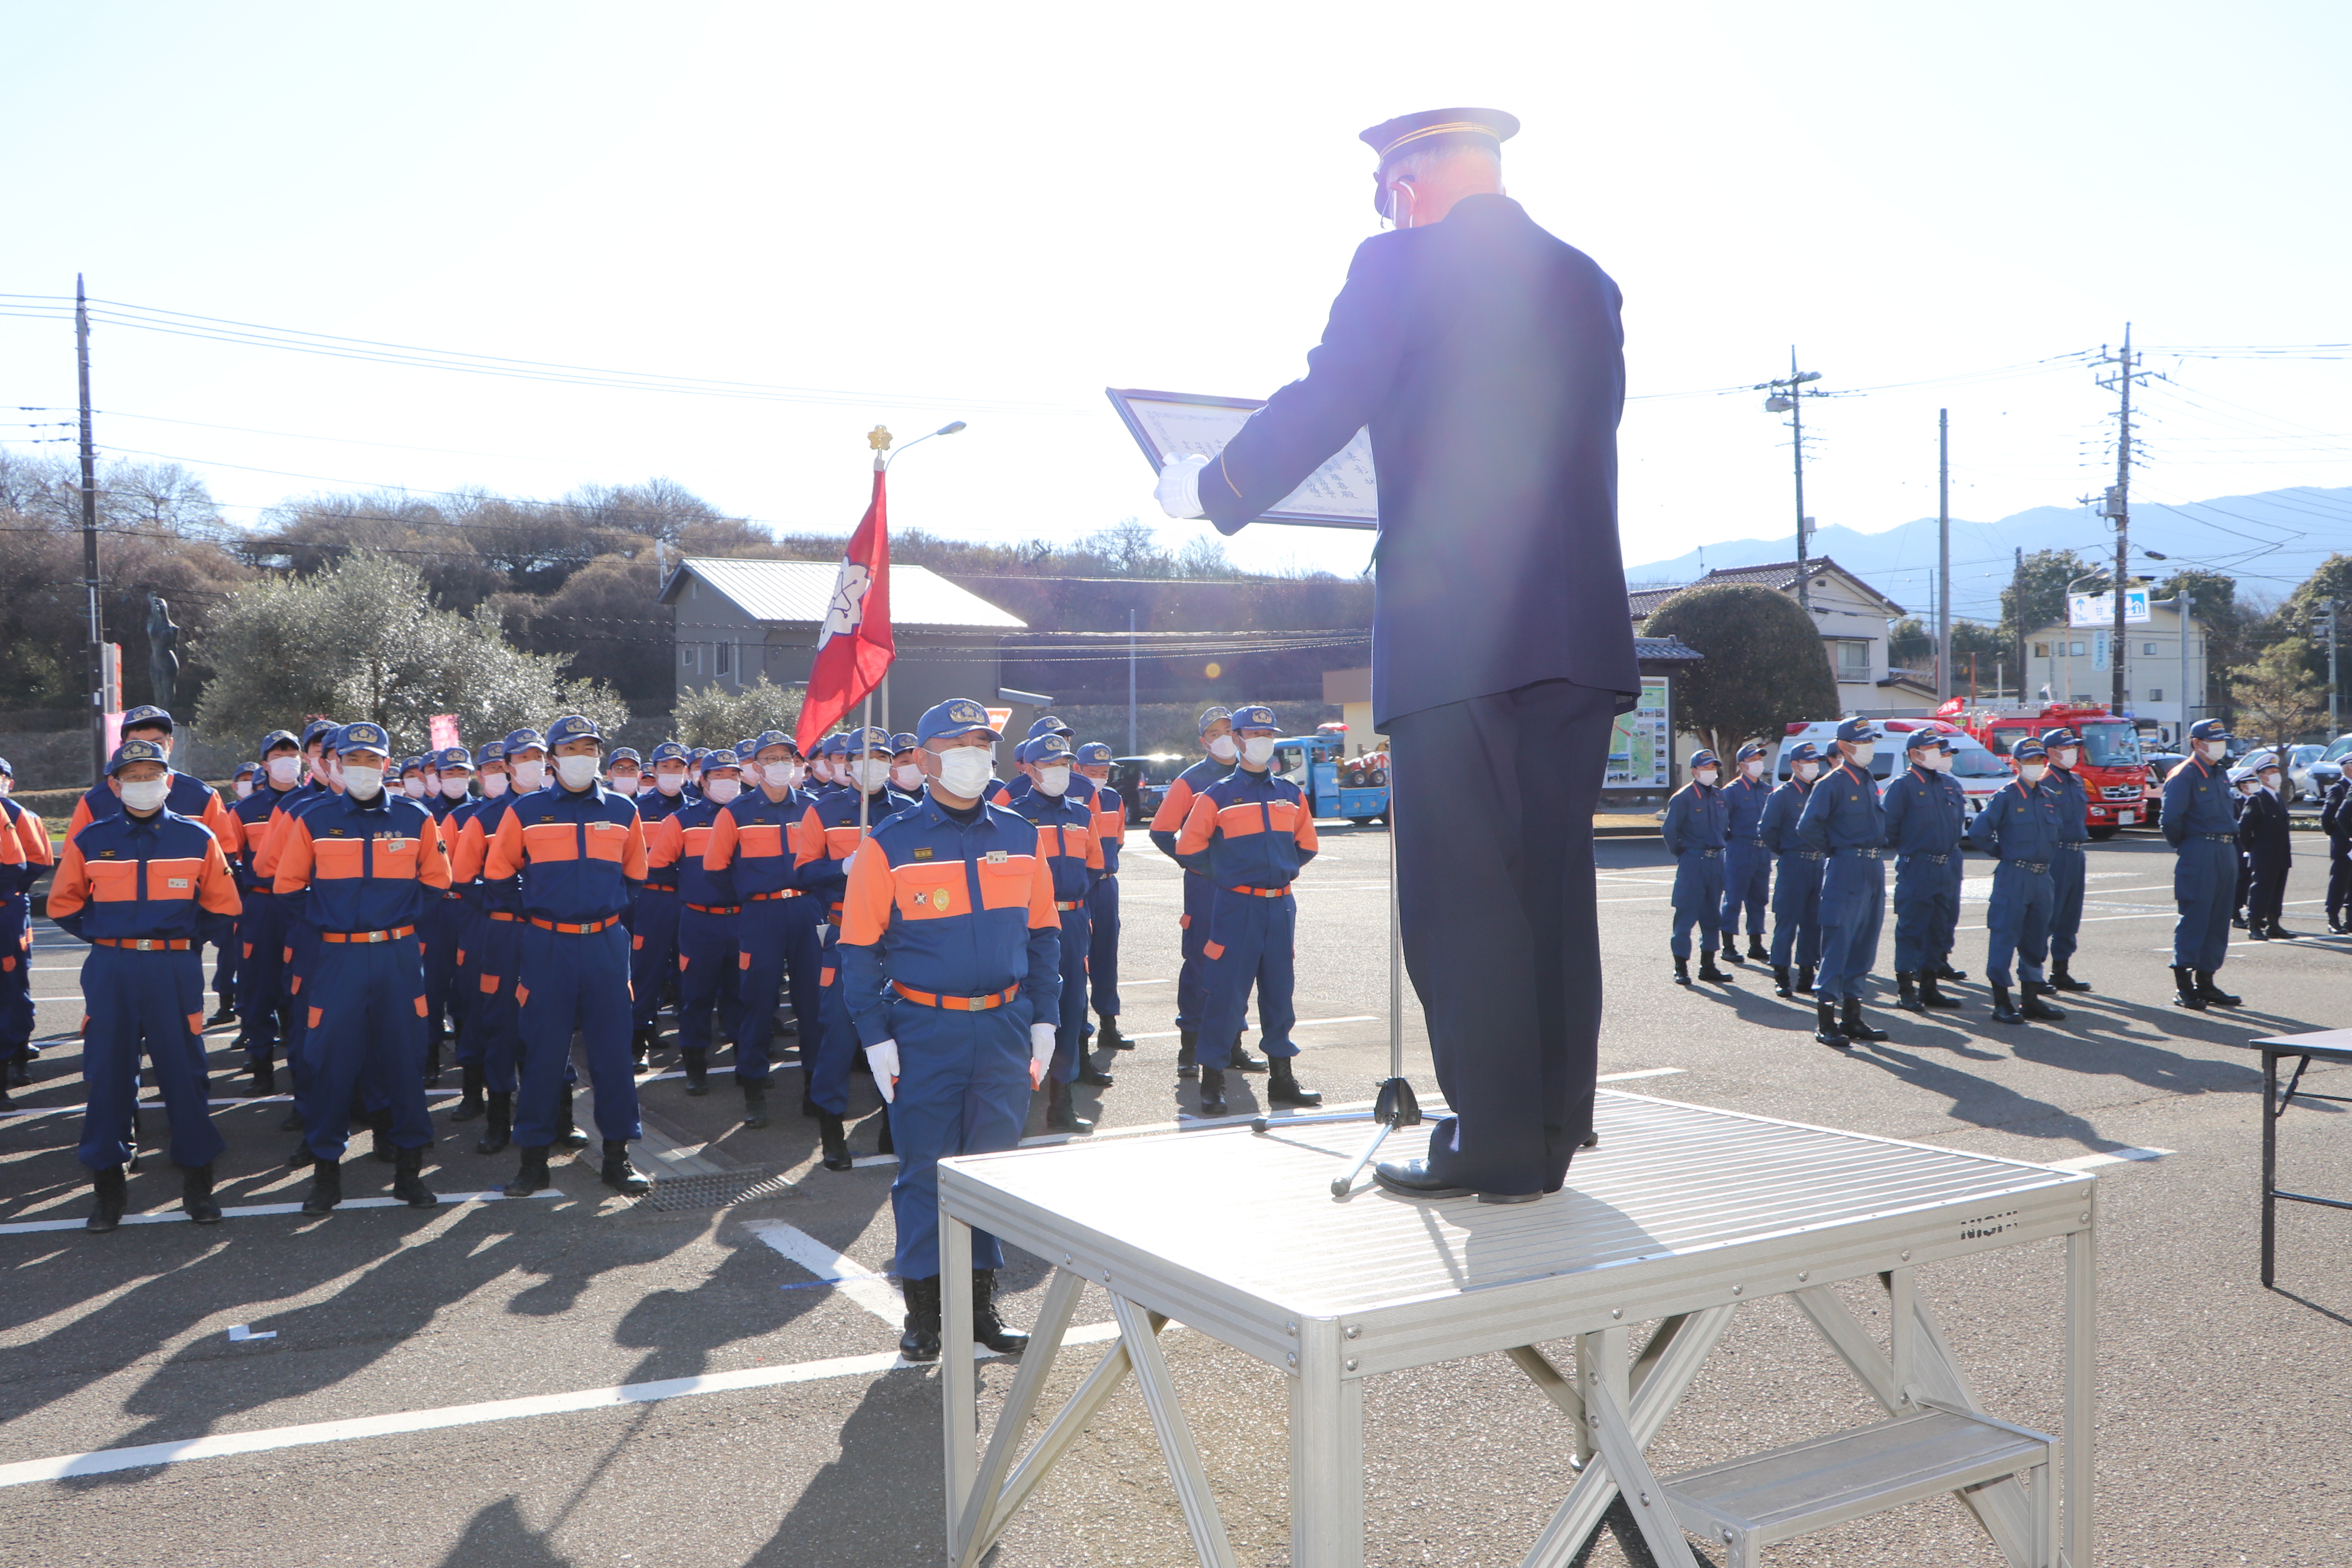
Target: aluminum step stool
(1750,1504)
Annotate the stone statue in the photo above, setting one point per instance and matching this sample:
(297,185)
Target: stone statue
(163,651)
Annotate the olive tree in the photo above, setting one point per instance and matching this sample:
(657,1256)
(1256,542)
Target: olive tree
(714,716)
(1764,667)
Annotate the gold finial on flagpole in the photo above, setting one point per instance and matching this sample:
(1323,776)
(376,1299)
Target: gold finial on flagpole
(879,438)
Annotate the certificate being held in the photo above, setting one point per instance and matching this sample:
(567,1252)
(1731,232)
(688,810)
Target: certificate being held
(1339,494)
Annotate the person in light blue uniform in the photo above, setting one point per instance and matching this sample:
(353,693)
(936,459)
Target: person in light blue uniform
(1842,820)
(2202,828)
(2020,827)
(1697,823)
(2070,863)
(1927,813)
(1797,879)
(1746,864)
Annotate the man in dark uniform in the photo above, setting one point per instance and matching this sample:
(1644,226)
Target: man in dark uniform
(1486,358)
(2264,838)
(2020,827)
(262,1001)
(2070,865)
(1746,864)
(1698,821)
(2336,821)
(1797,879)
(2203,832)
(1927,813)
(1843,821)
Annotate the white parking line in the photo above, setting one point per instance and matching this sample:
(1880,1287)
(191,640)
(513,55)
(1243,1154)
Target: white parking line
(253,1211)
(1300,1024)
(2110,1157)
(873,1291)
(1645,1072)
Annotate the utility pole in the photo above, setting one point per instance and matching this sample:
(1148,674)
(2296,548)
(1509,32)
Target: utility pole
(2324,619)
(2188,714)
(2117,506)
(1942,553)
(2016,608)
(1787,397)
(1130,681)
(90,543)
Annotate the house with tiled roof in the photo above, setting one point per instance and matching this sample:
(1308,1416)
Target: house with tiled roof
(1852,617)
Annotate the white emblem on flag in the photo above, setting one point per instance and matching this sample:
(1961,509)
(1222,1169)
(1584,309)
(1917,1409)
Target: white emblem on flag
(848,611)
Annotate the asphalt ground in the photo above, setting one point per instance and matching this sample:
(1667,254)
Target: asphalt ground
(442,1387)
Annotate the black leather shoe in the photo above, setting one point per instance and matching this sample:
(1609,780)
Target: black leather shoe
(1933,998)
(113,1191)
(1591,1140)
(326,1187)
(2039,1011)
(1849,1020)
(1708,971)
(226,1013)
(533,1176)
(196,1195)
(1682,971)
(2004,1011)
(408,1181)
(836,1141)
(1094,1077)
(1188,1060)
(1757,950)
(497,1132)
(987,1327)
(1282,1086)
(2212,992)
(1061,1115)
(1413,1179)
(1804,980)
(755,1104)
(380,1147)
(1826,1031)
(1782,981)
(1239,1060)
(1946,972)
(1212,1091)
(2062,980)
(1730,952)
(921,1339)
(1111,1040)
(470,1105)
(567,1132)
(2184,991)
(697,1070)
(1906,987)
(618,1174)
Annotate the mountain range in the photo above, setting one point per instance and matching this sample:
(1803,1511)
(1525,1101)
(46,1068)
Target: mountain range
(2270,542)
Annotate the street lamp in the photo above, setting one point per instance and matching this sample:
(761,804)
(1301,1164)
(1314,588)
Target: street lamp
(942,430)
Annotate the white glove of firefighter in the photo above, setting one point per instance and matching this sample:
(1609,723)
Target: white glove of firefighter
(883,1059)
(1178,491)
(1041,1052)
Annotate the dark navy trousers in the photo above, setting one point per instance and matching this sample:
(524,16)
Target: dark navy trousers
(366,1025)
(1797,910)
(1926,910)
(963,1088)
(1853,911)
(1746,885)
(151,1002)
(2019,920)
(2204,888)
(1102,960)
(570,984)
(1698,890)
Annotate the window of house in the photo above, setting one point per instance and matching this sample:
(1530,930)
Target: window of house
(2156,694)
(2076,649)
(2042,650)
(686,659)
(722,660)
(2147,650)
(1853,661)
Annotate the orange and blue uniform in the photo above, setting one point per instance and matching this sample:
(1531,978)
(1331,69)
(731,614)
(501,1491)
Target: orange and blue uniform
(951,947)
(1175,807)
(652,925)
(824,840)
(709,965)
(262,1003)
(146,894)
(1066,839)
(489,1035)
(23,856)
(1102,903)
(577,853)
(191,797)
(1248,834)
(364,872)
(750,843)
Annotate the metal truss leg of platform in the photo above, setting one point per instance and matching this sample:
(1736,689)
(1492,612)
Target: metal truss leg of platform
(1327,1452)
(1175,1434)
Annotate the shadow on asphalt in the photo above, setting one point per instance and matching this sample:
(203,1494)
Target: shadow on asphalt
(498,1534)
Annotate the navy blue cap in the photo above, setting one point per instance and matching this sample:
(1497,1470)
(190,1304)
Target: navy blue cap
(857,743)
(1703,758)
(276,738)
(520,740)
(721,757)
(1044,748)
(363,737)
(412,764)
(1859,728)
(131,751)
(1256,716)
(2061,736)
(5,768)
(1749,751)
(146,714)
(489,751)
(244,770)
(668,751)
(956,716)
(1432,128)
(2208,730)
(766,737)
(903,741)
(572,727)
(1803,751)
(452,757)
(1920,739)
(1048,725)
(624,755)
(836,746)
(1095,754)
(1210,715)
(2029,750)
(747,748)
(320,730)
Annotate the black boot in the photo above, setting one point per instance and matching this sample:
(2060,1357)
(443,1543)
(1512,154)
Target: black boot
(532,1177)
(2004,1011)
(697,1070)
(1944,970)
(293,1122)
(226,1014)
(1282,1086)
(1826,1031)
(1188,1060)
(1756,949)
(1682,971)
(1804,980)
(1783,984)
(1708,971)
(2258,929)
(835,1140)
(921,1339)
(380,1138)
(1212,1091)
(326,1187)
(618,1174)
(196,1195)
(755,1103)
(1238,1059)
(2185,992)
(497,1132)
(987,1327)
(882,1142)
(469,1106)
(1933,998)
(567,1132)
(301,1156)
(642,1043)
(1731,949)
(1111,1040)
(2062,980)
(2278,932)
(432,1064)
(1855,1029)
(1061,1116)
(1092,1076)
(1907,989)
(263,1077)
(408,1181)
(2036,1008)
(2213,993)
(113,1191)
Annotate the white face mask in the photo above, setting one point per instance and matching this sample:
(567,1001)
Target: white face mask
(1703,775)
(1753,767)
(283,770)
(1804,771)
(627,783)
(869,774)
(1052,781)
(453,789)
(907,777)
(413,788)
(2250,787)
(576,772)
(1257,751)
(243,788)
(529,775)
(2032,772)
(777,775)
(721,790)
(362,783)
(1222,747)
(2211,750)
(670,784)
(495,786)
(145,796)
(821,769)
(964,771)
(1865,754)
(2270,783)
(1933,762)
(2064,756)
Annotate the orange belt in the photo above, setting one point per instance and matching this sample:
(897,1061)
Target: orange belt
(392,935)
(1073,904)
(504,915)
(589,929)
(659,887)
(980,1003)
(1262,892)
(781,893)
(453,893)
(144,943)
(716,909)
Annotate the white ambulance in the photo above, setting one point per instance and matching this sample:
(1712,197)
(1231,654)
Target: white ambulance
(1974,767)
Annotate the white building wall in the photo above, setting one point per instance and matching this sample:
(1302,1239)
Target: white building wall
(2066,659)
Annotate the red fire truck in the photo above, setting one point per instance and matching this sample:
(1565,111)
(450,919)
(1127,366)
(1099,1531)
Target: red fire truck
(2110,766)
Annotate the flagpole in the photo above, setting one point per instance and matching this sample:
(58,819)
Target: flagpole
(880,441)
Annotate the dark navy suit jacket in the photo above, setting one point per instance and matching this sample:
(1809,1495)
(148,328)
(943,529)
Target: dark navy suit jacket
(1487,359)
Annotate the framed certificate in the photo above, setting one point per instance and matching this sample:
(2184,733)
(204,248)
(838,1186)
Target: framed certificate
(1339,494)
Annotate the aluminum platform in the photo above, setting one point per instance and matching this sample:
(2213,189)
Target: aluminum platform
(1682,1213)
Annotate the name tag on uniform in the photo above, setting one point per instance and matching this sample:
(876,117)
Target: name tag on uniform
(176,882)
(997,856)
(923,854)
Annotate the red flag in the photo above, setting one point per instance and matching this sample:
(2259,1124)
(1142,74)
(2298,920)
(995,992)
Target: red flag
(854,647)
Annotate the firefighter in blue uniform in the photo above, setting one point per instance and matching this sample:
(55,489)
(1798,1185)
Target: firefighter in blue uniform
(1697,823)
(146,887)
(493,1016)
(1248,834)
(262,1003)
(1066,834)
(1842,820)
(1094,760)
(1216,729)
(468,849)
(23,856)
(1926,817)
(1797,876)
(447,775)
(2202,829)
(2070,863)
(2265,840)
(951,961)
(576,846)
(366,864)
(1747,863)
(653,931)
(300,955)
(709,964)
(2021,825)
(905,771)
(750,843)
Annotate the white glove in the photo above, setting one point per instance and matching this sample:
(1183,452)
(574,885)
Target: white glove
(1041,1052)
(1178,491)
(883,1059)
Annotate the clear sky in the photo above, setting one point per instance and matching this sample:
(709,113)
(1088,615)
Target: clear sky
(992,213)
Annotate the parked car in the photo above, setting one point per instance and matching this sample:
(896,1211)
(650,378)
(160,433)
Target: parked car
(2330,766)
(2300,781)
(1142,782)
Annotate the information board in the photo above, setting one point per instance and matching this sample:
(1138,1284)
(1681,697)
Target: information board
(1642,743)
(1341,494)
(2099,609)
